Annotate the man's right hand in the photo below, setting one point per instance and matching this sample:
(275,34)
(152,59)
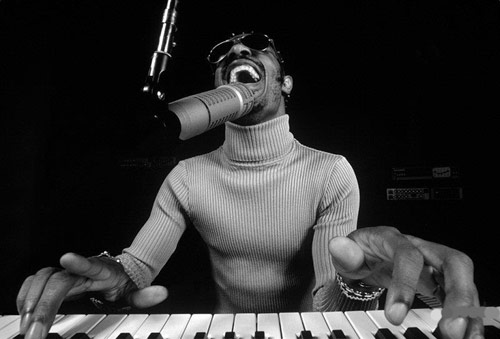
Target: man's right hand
(42,294)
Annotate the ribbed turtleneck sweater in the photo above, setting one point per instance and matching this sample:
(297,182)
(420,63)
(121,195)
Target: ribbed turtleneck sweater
(266,206)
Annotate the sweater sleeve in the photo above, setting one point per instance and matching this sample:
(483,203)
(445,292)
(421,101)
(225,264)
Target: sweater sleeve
(337,216)
(158,238)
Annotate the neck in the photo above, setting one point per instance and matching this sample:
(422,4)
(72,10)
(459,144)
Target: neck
(262,115)
(258,143)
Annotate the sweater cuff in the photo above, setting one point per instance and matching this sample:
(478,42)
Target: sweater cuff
(331,297)
(134,270)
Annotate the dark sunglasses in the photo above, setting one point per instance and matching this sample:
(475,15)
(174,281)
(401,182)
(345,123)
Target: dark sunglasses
(255,41)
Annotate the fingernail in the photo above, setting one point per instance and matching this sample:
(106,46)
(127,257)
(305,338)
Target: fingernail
(36,331)
(25,321)
(398,312)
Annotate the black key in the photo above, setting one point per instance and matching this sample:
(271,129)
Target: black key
(414,333)
(306,335)
(53,336)
(384,333)
(19,336)
(491,332)
(155,335)
(229,335)
(437,333)
(125,336)
(200,335)
(259,335)
(338,334)
(80,335)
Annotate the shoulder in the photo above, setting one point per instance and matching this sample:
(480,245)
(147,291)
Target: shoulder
(328,159)
(196,165)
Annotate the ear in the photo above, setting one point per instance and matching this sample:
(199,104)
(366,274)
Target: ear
(287,85)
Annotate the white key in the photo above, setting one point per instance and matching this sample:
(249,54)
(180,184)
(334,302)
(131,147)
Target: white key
(7,319)
(197,323)
(362,324)
(221,323)
(129,325)
(430,316)
(11,329)
(495,319)
(65,324)
(291,325)
(314,322)
(85,324)
(106,326)
(486,322)
(381,321)
(175,326)
(10,326)
(269,323)
(245,325)
(153,324)
(338,321)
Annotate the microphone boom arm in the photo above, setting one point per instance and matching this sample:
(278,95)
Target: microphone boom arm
(163,52)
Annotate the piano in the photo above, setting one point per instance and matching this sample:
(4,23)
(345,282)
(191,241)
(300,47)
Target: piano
(420,323)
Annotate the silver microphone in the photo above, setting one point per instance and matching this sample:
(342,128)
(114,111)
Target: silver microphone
(201,112)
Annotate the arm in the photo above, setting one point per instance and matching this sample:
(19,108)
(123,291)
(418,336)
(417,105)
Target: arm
(127,277)
(158,238)
(338,214)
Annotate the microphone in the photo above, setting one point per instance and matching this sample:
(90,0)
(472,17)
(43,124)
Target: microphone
(201,112)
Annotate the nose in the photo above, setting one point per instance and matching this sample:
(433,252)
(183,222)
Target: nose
(240,50)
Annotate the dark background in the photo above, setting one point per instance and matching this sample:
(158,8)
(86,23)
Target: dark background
(386,83)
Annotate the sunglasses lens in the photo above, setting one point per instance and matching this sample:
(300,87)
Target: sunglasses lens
(256,41)
(219,51)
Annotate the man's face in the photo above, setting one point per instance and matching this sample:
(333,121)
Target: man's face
(260,71)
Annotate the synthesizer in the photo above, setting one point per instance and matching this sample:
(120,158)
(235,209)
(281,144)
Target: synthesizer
(420,323)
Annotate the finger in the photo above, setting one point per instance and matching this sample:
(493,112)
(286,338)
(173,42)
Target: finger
(408,264)
(460,291)
(459,288)
(29,295)
(23,292)
(54,293)
(79,265)
(148,297)
(348,258)
(426,283)
(475,328)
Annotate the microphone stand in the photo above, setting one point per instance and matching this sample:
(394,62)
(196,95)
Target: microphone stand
(154,89)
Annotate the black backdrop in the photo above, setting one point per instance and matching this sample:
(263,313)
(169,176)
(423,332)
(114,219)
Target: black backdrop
(388,84)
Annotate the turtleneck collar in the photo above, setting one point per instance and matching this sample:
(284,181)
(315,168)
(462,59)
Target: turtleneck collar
(266,141)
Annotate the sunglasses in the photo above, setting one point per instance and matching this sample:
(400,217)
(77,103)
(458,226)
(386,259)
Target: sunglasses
(256,41)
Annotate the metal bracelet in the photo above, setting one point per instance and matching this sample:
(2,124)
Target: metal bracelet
(107,255)
(370,292)
(108,306)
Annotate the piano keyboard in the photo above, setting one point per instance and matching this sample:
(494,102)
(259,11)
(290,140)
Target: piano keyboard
(419,324)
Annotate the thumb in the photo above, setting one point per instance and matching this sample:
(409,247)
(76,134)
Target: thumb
(148,297)
(348,258)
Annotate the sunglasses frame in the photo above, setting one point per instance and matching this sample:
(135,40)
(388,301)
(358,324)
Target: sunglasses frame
(235,39)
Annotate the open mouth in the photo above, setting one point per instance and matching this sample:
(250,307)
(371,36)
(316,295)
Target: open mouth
(245,74)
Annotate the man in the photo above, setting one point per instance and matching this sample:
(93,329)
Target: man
(279,220)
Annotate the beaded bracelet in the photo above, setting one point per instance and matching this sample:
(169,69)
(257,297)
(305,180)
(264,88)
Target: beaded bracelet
(369,292)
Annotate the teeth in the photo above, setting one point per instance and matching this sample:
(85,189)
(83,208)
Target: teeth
(249,69)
